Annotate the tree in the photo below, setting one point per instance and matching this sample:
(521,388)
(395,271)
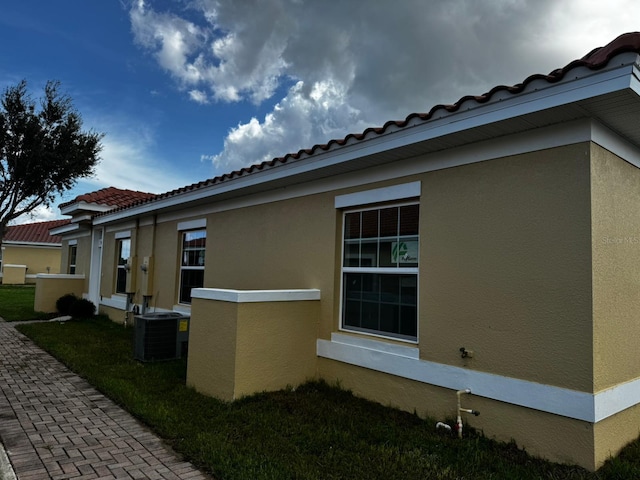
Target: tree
(43,150)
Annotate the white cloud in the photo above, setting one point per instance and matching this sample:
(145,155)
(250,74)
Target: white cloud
(355,64)
(198,96)
(126,162)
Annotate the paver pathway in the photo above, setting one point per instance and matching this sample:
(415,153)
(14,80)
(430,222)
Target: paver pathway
(53,424)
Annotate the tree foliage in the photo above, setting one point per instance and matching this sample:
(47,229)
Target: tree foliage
(43,149)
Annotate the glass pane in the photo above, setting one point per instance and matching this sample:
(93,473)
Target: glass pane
(389,318)
(383,303)
(121,280)
(353,286)
(405,252)
(352,253)
(370,224)
(124,251)
(190,279)
(193,248)
(369,253)
(352,225)
(390,288)
(409,219)
(387,258)
(389,222)
(408,290)
(370,314)
(352,313)
(195,239)
(408,321)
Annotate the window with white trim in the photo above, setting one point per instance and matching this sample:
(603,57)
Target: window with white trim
(124,252)
(192,263)
(73,253)
(380,271)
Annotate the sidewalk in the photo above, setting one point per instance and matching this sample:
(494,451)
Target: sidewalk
(54,425)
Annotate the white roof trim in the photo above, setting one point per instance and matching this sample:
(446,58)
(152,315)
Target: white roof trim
(531,100)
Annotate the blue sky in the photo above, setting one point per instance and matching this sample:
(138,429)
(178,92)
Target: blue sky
(187,90)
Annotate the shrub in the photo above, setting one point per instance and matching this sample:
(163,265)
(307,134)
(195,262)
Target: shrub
(82,308)
(64,303)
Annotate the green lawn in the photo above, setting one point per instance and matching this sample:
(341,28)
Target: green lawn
(16,303)
(314,432)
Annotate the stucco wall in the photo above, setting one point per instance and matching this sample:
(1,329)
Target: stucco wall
(37,259)
(283,245)
(557,438)
(238,349)
(83,257)
(505,259)
(166,258)
(49,288)
(616,268)
(212,348)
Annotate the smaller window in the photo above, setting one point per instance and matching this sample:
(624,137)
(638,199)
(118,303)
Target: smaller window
(73,252)
(192,263)
(124,252)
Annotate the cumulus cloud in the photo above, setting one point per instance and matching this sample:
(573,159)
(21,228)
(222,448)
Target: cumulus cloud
(327,69)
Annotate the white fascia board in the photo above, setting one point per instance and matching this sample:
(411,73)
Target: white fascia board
(617,145)
(33,244)
(255,296)
(565,92)
(84,206)
(64,229)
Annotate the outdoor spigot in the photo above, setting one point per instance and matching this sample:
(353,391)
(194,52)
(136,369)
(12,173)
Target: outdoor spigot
(464,353)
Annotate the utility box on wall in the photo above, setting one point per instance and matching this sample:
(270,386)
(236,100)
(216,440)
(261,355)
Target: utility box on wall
(146,276)
(160,336)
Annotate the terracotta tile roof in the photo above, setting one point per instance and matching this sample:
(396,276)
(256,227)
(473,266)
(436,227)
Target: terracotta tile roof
(594,60)
(111,196)
(34,232)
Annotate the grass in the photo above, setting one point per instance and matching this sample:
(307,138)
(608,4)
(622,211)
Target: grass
(316,431)
(16,303)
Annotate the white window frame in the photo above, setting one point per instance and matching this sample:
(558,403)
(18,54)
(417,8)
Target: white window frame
(120,238)
(200,226)
(73,245)
(414,271)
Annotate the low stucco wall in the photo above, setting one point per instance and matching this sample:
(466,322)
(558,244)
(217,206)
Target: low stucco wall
(14,274)
(49,288)
(243,342)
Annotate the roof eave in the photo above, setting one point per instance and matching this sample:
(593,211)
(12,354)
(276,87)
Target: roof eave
(621,74)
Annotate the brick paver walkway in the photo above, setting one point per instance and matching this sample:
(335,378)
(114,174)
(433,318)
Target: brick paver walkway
(53,424)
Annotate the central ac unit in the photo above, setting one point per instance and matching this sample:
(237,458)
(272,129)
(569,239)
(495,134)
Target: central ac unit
(160,336)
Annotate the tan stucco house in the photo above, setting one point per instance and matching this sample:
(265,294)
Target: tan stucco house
(29,249)
(489,245)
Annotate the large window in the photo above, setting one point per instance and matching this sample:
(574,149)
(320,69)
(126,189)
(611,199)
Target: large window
(380,271)
(124,252)
(73,253)
(192,263)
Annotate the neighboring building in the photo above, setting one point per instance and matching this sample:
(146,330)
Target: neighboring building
(76,251)
(29,249)
(489,245)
